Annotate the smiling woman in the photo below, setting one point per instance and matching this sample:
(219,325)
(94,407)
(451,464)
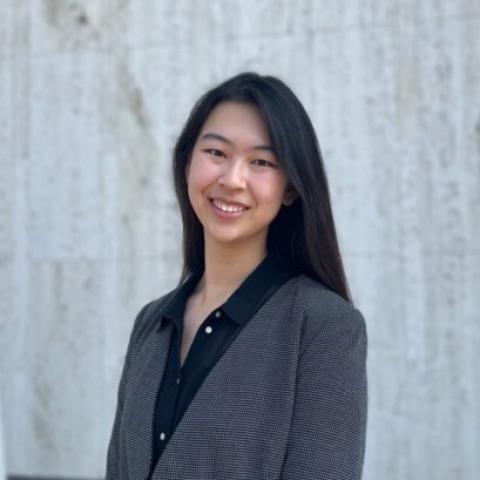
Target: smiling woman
(235,185)
(254,367)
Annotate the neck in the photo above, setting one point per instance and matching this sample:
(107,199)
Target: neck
(225,269)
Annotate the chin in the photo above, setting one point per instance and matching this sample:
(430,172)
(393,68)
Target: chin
(236,238)
(226,239)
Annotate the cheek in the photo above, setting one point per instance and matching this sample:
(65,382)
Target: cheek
(270,189)
(201,174)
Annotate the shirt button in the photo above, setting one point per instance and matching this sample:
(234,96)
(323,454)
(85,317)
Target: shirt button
(208,329)
(218,314)
(162,436)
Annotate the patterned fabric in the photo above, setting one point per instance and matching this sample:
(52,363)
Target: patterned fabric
(287,400)
(180,383)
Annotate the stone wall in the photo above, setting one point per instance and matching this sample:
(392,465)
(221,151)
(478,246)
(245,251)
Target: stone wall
(92,96)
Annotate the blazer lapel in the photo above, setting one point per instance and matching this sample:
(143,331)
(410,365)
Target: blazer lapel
(141,402)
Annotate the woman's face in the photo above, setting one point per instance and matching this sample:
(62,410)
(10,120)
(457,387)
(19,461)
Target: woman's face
(235,183)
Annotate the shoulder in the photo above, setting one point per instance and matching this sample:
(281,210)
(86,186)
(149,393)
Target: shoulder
(150,316)
(327,316)
(321,302)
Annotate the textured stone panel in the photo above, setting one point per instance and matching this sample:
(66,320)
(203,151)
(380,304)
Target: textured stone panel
(69,25)
(93,95)
(425,343)
(156,23)
(14,27)
(61,382)
(3,468)
(13,244)
(64,190)
(386,131)
(15,79)
(372,13)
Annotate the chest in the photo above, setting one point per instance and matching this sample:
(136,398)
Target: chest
(239,416)
(193,319)
(242,411)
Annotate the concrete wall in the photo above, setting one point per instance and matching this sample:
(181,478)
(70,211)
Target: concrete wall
(3,472)
(92,95)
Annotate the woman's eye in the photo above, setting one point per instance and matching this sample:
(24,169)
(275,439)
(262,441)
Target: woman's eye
(215,152)
(263,163)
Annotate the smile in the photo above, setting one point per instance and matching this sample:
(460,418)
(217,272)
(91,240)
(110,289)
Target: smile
(225,207)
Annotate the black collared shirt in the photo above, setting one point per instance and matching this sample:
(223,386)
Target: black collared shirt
(215,334)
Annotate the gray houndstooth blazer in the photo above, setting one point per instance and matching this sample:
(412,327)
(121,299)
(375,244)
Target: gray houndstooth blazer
(287,400)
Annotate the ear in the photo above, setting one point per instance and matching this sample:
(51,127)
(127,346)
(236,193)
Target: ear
(290,196)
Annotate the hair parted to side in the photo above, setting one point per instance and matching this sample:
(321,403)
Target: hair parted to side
(303,233)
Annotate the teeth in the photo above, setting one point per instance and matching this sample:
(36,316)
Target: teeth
(227,208)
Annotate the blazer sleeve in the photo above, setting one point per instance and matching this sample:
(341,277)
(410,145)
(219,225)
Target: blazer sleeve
(327,434)
(113,452)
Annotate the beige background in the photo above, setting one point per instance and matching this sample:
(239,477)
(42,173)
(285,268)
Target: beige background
(92,96)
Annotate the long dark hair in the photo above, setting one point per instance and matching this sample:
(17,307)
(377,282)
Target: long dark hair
(303,234)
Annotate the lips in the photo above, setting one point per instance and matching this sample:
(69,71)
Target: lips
(228,206)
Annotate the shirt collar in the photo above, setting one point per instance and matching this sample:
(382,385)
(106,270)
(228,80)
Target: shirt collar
(267,276)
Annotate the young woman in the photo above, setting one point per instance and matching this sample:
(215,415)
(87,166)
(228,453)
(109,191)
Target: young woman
(254,366)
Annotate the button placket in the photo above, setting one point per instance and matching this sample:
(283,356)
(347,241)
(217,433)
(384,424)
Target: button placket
(209,328)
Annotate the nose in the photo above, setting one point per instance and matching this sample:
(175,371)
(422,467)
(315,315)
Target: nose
(234,175)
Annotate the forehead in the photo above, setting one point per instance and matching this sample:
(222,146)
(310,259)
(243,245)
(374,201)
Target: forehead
(237,119)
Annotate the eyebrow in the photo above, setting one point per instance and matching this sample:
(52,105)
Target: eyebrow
(221,138)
